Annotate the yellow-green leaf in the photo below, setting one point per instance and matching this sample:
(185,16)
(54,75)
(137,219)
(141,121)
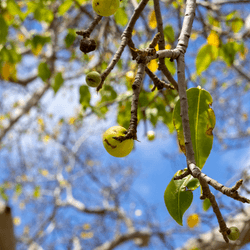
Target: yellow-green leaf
(205,56)
(64,7)
(37,192)
(202,122)
(121,17)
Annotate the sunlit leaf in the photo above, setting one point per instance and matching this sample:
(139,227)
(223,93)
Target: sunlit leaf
(152,20)
(14,9)
(64,7)
(169,33)
(177,198)
(153,65)
(213,39)
(170,65)
(206,55)
(121,17)
(206,204)
(202,122)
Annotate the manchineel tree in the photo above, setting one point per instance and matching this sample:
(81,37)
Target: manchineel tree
(179,63)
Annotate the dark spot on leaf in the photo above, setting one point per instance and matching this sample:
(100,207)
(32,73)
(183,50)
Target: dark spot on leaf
(209,131)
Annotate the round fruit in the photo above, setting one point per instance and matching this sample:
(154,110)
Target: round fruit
(113,146)
(105,7)
(151,135)
(93,79)
(235,233)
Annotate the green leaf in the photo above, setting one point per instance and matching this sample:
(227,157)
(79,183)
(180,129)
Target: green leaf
(201,121)
(237,24)
(3,30)
(206,204)
(193,183)
(58,82)
(121,17)
(70,38)
(85,96)
(3,194)
(43,14)
(206,55)
(212,20)
(37,192)
(169,33)
(64,7)
(18,189)
(170,65)
(107,93)
(228,52)
(14,9)
(44,71)
(177,198)
(10,54)
(124,114)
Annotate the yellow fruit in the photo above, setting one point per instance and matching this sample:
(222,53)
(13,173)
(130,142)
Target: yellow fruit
(93,79)
(105,7)
(114,147)
(234,234)
(151,135)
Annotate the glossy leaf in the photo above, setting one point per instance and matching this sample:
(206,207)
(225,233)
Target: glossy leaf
(177,198)
(202,122)
(206,55)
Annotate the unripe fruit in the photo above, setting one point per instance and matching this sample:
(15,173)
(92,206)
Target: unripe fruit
(93,79)
(105,7)
(235,233)
(151,135)
(113,146)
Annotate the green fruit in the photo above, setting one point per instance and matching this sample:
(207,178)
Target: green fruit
(151,135)
(93,79)
(114,147)
(235,233)
(105,7)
